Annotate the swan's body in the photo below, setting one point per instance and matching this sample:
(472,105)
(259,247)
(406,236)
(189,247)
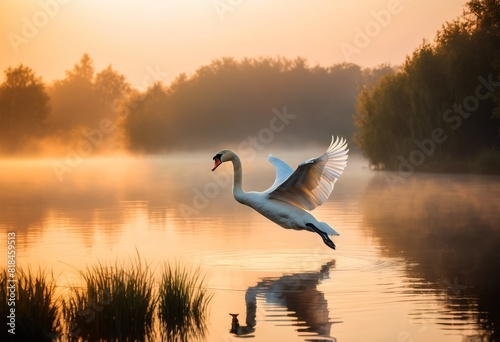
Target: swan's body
(293,192)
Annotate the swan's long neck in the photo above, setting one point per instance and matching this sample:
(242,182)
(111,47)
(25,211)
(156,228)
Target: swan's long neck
(238,192)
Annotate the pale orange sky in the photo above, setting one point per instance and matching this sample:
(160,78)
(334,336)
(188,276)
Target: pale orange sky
(157,39)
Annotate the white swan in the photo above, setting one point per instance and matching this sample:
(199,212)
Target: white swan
(294,192)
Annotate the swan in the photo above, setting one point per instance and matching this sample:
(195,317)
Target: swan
(293,193)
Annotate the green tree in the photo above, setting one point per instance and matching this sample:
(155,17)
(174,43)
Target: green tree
(146,121)
(111,86)
(24,108)
(74,102)
(435,79)
(83,98)
(383,130)
(83,71)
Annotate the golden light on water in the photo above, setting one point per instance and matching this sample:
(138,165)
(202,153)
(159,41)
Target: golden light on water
(110,209)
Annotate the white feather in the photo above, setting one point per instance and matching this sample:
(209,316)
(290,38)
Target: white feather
(294,192)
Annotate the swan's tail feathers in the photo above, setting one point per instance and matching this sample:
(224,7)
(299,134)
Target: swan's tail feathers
(327,229)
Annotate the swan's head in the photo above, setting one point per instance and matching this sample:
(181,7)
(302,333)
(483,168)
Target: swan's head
(221,157)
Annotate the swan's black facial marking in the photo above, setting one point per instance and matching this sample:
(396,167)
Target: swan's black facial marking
(217,161)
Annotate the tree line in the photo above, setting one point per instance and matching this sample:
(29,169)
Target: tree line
(223,102)
(39,118)
(229,100)
(441,110)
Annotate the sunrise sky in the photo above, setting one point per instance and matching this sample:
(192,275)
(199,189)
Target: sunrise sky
(158,39)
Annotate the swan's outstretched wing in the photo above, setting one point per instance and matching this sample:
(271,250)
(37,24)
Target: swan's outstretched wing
(283,171)
(312,183)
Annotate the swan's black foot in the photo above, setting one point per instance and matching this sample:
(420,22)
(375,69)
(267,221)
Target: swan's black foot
(329,242)
(323,235)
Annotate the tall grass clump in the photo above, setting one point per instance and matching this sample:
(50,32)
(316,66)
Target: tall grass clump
(36,313)
(183,303)
(4,308)
(116,304)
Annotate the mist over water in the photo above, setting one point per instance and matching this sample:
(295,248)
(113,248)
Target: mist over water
(421,255)
(447,228)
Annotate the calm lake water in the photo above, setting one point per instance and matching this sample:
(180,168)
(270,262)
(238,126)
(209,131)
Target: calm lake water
(415,261)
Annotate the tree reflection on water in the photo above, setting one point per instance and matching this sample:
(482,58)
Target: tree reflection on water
(447,227)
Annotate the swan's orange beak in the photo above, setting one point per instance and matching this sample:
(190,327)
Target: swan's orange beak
(217,162)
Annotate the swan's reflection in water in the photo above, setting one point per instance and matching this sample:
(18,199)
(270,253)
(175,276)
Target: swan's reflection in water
(298,293)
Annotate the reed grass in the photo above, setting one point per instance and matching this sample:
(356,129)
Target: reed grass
(116,304)
(183,302)
(4,308)
(37,316)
